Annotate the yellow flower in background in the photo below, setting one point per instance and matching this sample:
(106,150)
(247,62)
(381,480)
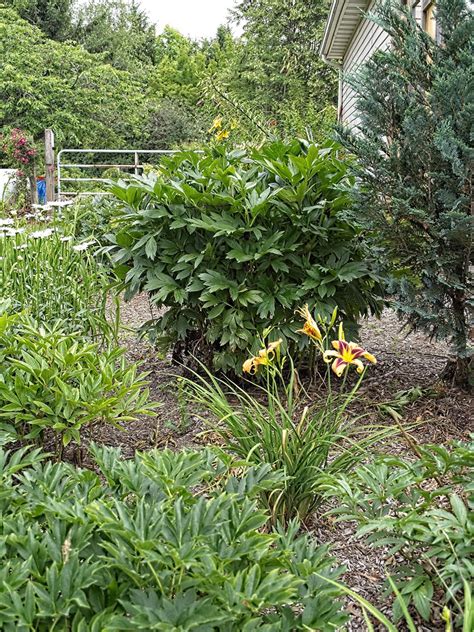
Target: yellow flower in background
(310,328)
(216,124)
(347,353)
(222,135)
(265,357)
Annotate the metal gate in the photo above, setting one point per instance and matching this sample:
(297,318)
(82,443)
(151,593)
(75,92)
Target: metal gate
(134,165)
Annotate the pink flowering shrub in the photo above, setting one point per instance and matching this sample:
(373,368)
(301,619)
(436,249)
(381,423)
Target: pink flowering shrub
(21,154)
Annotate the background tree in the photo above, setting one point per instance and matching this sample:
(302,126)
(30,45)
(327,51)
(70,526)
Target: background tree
(50,84)
(180,65)
(53,17)
(275,69)
(118,28)
(267,83)
(414,151)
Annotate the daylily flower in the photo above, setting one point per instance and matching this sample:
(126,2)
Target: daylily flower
(265,357)
(222,135)
(216,124)
(310,328)
(347,353)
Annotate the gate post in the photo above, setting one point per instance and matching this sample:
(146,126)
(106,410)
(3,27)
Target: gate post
(49,162)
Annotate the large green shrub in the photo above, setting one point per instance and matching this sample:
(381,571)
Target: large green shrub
(165,541)
(231,242)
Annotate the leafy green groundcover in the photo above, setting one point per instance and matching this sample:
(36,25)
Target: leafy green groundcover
(423,510)
(166,541)
(232,242)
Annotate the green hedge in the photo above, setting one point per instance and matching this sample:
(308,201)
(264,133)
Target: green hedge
(232,242)
(166,541)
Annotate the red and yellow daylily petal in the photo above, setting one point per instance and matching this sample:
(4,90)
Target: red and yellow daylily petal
(340,345)
(347,353)
(338,366)
(329,355)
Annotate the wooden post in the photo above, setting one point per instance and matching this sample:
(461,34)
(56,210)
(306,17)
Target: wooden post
(49,162)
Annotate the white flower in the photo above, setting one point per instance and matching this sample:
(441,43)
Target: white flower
(67,238)
(7,232)
(21,247)
(39,234)
(7,221)
(84,246)
(61,203)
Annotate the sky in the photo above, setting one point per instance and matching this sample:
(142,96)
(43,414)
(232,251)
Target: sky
(196,18)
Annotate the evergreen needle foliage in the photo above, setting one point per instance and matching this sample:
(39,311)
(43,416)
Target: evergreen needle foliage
(414,151)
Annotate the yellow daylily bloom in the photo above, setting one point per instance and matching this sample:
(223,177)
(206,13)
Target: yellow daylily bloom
(216,124)
(222,135)
(310,328)
(347,353)
(265,357)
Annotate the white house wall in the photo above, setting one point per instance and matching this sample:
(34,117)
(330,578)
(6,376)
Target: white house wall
(368,38)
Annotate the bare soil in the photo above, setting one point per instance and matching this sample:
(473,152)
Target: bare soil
(405,360)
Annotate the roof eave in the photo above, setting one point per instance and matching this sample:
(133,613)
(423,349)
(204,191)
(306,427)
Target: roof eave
(335,12)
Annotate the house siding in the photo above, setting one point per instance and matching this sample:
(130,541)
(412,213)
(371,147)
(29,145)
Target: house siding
(368,38)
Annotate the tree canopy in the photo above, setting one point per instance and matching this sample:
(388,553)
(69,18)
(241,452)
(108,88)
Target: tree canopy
(99,75)
(60,85)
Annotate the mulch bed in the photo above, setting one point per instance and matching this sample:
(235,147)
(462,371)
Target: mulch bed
(405,360)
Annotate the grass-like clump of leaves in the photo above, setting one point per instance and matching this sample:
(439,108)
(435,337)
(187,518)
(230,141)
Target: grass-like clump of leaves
(269,422)
(46,273)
